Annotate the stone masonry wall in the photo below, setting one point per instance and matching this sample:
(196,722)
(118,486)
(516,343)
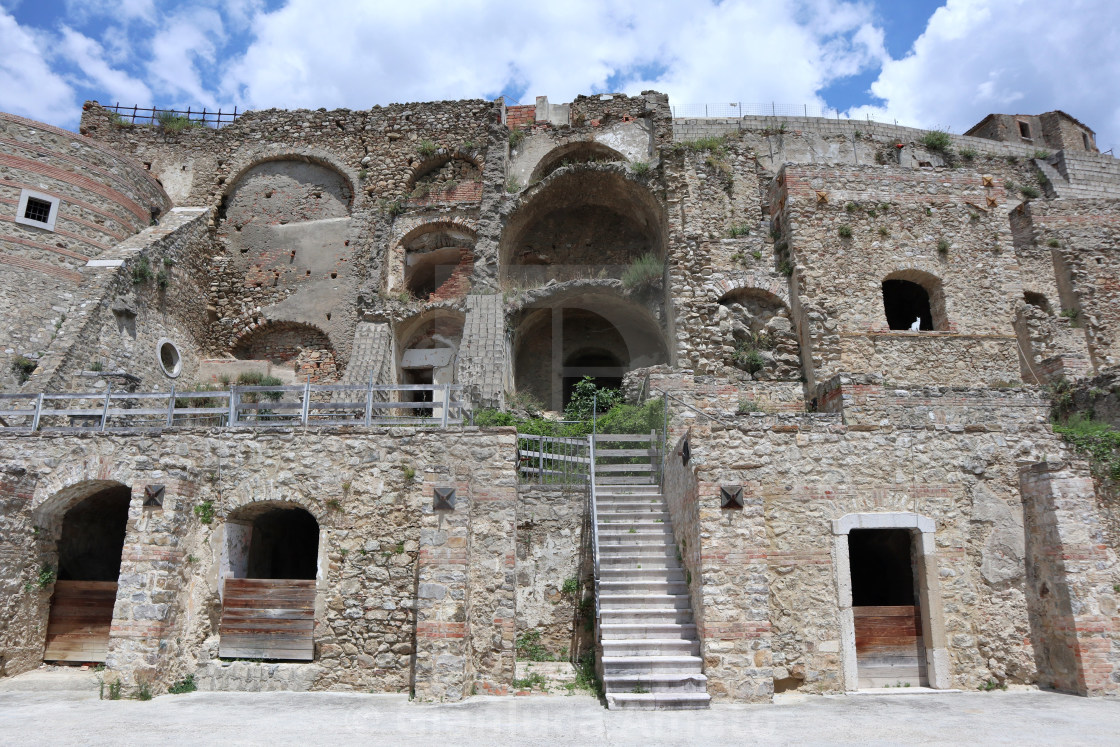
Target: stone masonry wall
(374,508)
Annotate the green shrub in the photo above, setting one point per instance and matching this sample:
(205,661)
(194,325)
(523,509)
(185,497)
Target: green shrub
(640,167)
(205,511)
(748,358)
(256,378)
(942,246)
(23,367)
(968,154)
(1028,191)
(529,648)
(141,271)
(704,143)
(143,691)
(513,186)
(1042,154)
(1053,243)
(588,399)
(185,685)
(427,148)
(570,586)
(516,135)
(643,273)
(738,230)
(937,140)
(786,268)
(845,231)
(884,231)
(171,122)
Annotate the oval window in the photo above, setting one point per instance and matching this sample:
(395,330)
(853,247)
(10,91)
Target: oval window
(169,358)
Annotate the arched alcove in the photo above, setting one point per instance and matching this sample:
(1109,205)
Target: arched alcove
(428,348)
(763,337)
(559,341)
(591,222)
(911,295)
(443,173)
(438,261)
(295,349)
(1038,300)
(272,540)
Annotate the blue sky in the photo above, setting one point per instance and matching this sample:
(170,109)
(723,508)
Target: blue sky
(920,62)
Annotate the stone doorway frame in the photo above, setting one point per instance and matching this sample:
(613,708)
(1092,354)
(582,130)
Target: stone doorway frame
(922,530)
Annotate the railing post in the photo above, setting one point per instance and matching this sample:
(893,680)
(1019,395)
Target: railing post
(446,402)
(540,460)
(105,410)
(171,408)
(306,401)
(594,412)
(369,402)
(232,406)
(38,412)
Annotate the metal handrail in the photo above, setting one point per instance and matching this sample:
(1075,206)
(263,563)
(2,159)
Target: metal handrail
(233,408)
(594,528)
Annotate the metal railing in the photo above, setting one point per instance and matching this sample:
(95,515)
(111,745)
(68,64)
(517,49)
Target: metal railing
(552,460)
(743,109)
(150,116)
(594,527)
(240,406)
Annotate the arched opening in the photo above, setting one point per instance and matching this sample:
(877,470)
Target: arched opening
(89,564)
(1037,300)
(429,346)
(585,151)
(913,296)
(600,335)
(764,340)
(442,175)
(269,566)
(290,351)
(438,261)
(592,222)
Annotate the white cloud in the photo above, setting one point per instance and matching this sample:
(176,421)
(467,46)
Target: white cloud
(88,56)
(337,53)
(1008,56)
(183,47)
(28,86)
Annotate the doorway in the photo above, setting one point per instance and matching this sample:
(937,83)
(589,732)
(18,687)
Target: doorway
(89,564)
(886,609)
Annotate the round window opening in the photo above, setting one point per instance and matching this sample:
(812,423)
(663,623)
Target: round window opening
(169,358)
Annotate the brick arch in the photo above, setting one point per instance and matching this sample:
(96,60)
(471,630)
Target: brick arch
(441,158)
(242,500)
(934,288)
(307,337)
(243,164)
(406,329)
(769,286)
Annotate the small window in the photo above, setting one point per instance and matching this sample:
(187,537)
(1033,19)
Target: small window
(907,305)
(1025,130)
(1085,139)
(169,358)
(37,209)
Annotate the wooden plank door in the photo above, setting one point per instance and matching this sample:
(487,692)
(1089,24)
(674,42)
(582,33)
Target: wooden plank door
(80,618)
(268,619)
(889,646)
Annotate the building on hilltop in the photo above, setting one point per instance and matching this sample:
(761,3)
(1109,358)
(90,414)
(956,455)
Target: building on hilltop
(242,363)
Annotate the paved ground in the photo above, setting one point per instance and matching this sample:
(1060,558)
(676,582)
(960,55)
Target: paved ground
(43,711)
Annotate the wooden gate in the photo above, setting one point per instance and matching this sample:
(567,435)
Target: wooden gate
(81,615)
(268,619)
(889,646)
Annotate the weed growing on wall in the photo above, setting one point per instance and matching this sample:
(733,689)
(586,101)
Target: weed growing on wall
(937,140)
(23,367)
(643,273)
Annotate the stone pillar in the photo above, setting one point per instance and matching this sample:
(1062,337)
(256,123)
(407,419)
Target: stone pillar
(1071,581)
(735,626)
(493,552)
(143,633)
(441,669)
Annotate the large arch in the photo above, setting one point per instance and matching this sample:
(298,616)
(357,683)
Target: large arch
(763,336)
(580,151)
(583,332)
(436,260)
(585,221)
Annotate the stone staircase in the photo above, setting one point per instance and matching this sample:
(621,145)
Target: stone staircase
(651,653)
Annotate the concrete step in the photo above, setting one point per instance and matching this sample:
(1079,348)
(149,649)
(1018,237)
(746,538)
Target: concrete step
(618,517)
(638,550)
(625,525)
(637,537)
(645,615)
(644,586)
(651,665)
(632,575)
(612,600)
(619,489)
(658,701)
(656,683)
(636,647)
(612,631)
(627,480)
(639,562)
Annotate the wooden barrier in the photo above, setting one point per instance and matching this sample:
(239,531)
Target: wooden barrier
(268,619)
(80,618)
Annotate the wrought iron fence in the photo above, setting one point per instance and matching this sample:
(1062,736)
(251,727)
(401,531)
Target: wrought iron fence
(205,117)
(552,460)
(416,405)
(744,109)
